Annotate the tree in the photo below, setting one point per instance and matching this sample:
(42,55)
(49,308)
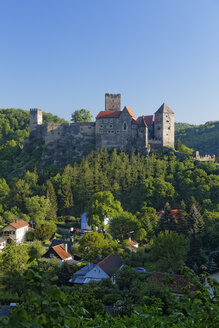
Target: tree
(14,257)
(126,225)
(81,115)
(51,196)
(195,221)
(37,207)
(45,230)
(167,220)
(36,250)
(148,219)
(102,205)
(92,245)
(169,250)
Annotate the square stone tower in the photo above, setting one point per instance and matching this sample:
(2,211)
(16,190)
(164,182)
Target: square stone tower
(113,101)
(36,118)
(164,126)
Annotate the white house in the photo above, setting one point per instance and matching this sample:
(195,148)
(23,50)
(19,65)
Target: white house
(15,231)
(3,243)
(96,272)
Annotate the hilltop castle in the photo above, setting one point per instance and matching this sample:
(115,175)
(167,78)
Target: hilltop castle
(113,128)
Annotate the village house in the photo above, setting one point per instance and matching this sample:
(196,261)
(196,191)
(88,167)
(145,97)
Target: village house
(15,231)
(59,251)
(104,269)
(3,243)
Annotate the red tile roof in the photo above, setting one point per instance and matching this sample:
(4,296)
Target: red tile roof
(129,111)
(133,242)
(110,264)
(174,213)
(177,283)
(60,251)
(19,224)
(109,114)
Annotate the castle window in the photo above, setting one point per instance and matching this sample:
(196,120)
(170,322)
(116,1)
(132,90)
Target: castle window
(124,126)
(117,131)
(111,126)
(106,120)
(101,125)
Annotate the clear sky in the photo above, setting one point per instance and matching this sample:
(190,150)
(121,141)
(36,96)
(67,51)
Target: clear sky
(62,55)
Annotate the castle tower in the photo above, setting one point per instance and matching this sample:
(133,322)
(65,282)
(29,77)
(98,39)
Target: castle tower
(113,101)
(164,126)
(36,118)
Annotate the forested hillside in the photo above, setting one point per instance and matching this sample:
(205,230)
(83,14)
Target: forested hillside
(14,129)
(204,138)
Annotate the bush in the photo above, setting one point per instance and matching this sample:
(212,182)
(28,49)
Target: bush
(30,236)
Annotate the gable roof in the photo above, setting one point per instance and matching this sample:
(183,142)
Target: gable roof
(110,264)
(61,252)
(18,224)
(164,109)
(56,242)
(108,114)
(129,111)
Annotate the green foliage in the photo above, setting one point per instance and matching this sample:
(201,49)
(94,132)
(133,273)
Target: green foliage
(94,244)
(125,225)
(81,115)
(102,205)
(36,250)
(169,250)
(37,207)
(14,257)
(204,138)
(45,230)
(182,148)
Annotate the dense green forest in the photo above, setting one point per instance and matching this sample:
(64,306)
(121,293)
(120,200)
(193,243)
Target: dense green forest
(139,195)
(204,138)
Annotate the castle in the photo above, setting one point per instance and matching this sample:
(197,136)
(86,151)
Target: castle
(113,128)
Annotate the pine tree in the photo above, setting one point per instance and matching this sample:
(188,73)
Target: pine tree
(195,221)
(167,221)
(50,194)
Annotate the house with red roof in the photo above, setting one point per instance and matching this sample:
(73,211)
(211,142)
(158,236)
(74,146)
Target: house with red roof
(15,231)
(59,251)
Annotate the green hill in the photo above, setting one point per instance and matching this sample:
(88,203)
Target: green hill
(204,137)
(15,154)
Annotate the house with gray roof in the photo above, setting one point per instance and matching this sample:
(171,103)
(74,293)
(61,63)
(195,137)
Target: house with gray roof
(104,269)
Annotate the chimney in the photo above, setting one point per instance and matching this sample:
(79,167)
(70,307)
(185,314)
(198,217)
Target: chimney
(66,248)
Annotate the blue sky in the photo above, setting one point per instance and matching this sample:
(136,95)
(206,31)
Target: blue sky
(62,55)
